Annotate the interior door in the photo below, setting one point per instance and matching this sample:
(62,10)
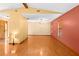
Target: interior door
(2,36)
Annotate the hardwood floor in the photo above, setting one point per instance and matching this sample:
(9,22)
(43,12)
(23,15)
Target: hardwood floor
(38,46)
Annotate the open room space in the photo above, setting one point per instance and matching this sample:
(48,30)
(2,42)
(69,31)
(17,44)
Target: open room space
(39,29)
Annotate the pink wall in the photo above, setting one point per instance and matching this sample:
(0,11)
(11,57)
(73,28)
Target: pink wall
(69,30)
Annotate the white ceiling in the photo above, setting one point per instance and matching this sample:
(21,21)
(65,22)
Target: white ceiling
(4,6)
(62,7)
(45,17)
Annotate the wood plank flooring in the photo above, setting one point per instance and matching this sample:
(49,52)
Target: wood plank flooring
(38,46)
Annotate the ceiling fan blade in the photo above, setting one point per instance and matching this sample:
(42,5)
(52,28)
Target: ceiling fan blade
(25,5)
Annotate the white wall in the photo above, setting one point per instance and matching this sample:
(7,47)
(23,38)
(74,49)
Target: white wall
(39,28)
